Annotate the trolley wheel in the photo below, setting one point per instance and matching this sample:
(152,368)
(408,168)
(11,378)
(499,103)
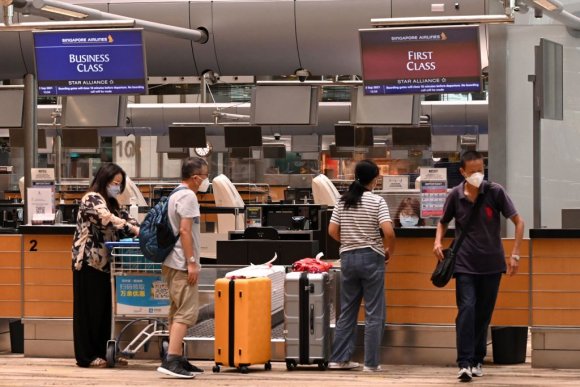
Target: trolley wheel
(323,365)
(216,369)
(163,348)
(291,365)
(244,369)
(268,366)
(111,353)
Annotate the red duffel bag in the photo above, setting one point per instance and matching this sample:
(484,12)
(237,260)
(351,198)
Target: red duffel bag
(312,265)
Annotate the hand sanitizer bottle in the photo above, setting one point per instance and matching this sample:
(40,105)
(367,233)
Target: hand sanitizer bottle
(134,209)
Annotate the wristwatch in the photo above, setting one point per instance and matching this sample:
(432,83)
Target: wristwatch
(516,257)
(192,260)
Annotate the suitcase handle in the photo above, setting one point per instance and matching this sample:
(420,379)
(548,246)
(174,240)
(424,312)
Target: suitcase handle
(311,319)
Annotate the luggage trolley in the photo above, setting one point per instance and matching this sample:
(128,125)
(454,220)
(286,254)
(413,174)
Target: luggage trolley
(138,294)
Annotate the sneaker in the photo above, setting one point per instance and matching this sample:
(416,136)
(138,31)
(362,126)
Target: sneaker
(464,375)
(477,370)
(343,365)
(190,367)
(372,369)
(174,368)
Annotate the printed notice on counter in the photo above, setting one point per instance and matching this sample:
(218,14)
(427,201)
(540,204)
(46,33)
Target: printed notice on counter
(40,205)
(395,182)
(433,195)
(42,175)
(433,174)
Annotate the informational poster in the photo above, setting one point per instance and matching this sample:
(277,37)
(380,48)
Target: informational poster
(40,205)
(433,195)
(40,198)
(440,59)
(433,174)
(141,295)
(395,182)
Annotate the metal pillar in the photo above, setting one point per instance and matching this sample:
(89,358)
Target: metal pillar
(30,134)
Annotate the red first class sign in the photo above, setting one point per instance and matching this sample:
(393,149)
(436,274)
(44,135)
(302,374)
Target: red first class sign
(443,59)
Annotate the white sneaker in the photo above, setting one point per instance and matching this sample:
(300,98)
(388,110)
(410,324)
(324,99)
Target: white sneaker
(372,369)
(343,365)
(477,371)
(464,375)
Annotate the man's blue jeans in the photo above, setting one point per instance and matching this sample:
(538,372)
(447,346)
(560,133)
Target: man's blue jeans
(362,276)
(475,296)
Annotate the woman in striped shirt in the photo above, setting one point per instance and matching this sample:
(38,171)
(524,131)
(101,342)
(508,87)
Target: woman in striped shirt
(357,221)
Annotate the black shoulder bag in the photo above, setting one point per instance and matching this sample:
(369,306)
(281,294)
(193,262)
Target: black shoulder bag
(444,269)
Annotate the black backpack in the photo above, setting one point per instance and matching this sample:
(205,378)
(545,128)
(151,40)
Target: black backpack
(156,236)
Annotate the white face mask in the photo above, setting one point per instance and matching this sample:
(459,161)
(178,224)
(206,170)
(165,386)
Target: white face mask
(475,179)
(113,190)
(204,186)
(409,221)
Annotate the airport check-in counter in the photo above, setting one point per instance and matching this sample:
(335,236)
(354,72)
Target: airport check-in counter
(35,271)
(301,231)
(555,305)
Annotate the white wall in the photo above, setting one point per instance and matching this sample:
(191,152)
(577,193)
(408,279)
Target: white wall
(560,139)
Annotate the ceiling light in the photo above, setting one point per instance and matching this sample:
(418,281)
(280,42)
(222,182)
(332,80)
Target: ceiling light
(548,5)
(64,12)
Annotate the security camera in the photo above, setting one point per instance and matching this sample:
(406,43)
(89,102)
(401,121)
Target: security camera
(302,74)
(277,136)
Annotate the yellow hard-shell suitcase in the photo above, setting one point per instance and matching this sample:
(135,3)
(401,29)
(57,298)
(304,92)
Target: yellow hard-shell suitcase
(243,323)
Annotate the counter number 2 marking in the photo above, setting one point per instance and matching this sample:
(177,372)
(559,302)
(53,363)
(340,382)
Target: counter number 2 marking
(33,244)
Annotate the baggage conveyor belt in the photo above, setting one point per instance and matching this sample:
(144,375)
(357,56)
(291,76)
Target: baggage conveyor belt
(205,329)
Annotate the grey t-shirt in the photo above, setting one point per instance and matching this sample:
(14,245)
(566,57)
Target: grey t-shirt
(183,204)
(481,251)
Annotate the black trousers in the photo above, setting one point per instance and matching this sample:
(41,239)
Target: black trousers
(92,309)
(475,296)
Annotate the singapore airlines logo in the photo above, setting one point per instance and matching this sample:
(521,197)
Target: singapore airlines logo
(421,37)
(90,40)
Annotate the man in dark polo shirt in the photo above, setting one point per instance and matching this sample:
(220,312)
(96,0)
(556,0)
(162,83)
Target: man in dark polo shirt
(480,259)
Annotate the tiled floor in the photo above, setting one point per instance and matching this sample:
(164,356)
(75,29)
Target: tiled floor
(16,370)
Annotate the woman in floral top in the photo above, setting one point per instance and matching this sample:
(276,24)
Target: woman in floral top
(99,220)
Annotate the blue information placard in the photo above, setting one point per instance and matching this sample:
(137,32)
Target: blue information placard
(141,295)
(90,62)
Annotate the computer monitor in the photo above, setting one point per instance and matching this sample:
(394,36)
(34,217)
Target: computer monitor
(274,151)
(187,137)
(280,220)
(242,136)
(410,136)
(353,136)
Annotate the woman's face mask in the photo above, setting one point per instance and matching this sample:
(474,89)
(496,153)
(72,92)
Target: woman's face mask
(113,190)
(409,220)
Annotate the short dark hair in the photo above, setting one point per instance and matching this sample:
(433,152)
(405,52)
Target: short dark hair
(192,166)
(103,178)
(470,156)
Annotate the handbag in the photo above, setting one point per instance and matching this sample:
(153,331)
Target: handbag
(445,267)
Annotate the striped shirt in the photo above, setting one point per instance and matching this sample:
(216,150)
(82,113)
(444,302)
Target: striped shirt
(359,226)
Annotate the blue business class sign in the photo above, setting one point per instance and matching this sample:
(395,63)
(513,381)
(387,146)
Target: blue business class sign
(90,62)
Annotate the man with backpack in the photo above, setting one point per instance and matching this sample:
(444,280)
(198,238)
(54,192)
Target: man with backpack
(181,267)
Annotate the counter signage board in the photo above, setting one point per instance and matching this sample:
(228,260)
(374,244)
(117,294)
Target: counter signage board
(40,205)
(395,182)
(90,62)
(433,195)
(433,174)
(444,59)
